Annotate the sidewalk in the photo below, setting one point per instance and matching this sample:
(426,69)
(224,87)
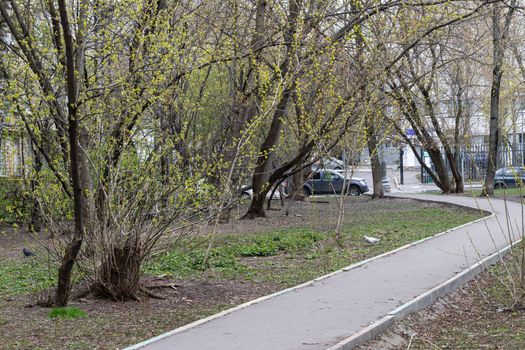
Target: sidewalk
(320,315)
(421,188)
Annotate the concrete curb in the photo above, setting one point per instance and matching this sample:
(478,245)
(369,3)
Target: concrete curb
(364,335)
(309,283)
(421,301)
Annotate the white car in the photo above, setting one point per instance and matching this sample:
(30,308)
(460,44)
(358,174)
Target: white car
(247,192)
(329,163)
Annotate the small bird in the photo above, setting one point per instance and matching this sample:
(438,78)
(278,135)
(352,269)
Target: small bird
(371,240)
(27,252)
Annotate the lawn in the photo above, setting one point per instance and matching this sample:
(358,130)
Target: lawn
(499,193)
(508,192)
(22,276)
(248,259)
(294,255)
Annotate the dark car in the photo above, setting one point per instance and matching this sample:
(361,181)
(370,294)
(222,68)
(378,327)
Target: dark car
(331,182)
(509,177)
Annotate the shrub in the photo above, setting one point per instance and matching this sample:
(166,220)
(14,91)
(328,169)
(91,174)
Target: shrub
(14,201)
(262,248)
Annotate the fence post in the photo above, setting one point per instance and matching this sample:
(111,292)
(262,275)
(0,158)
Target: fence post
(421,167)
(401,174)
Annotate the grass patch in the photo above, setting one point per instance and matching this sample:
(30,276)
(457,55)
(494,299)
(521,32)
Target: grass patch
(280,241)
(24,276)
(281,256)
(66,313)
(226,258)
(508,192)
(295,255)
(513,191)
(78,345)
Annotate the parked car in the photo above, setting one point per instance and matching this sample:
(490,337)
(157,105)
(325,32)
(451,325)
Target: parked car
(328,163)
(329,181)
(509,177)
(246,193)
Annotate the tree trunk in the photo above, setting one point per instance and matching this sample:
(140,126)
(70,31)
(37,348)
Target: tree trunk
(453,163)
(64,272)
(297,193)
(36,216)
(492,159)
(414,116)
(499,36)
(119,274)
(260,177)
(373,150)
(73,247)
(419,158)
(460,187)
(256,209)
(242,115)
(441,170)
(266,153)
(439,162)
(244,107)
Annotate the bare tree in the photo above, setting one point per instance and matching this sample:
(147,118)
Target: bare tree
(501,23)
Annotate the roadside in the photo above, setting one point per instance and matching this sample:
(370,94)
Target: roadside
(411,181)
(250,259)
(476,316)
(513,194)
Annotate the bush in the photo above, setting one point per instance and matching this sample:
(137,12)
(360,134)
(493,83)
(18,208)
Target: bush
(15,206)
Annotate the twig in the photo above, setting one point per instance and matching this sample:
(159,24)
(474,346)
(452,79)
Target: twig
(410,341)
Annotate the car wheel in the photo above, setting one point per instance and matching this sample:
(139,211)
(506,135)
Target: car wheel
(306,192)
(499,186)
(354,191)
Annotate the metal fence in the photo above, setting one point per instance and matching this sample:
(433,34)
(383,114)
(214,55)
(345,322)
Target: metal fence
(472,162)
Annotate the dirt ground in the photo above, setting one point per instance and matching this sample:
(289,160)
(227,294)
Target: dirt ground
(320,212)
(26,326)
(472,317)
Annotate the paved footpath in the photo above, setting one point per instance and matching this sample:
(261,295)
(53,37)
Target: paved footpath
(319,315)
